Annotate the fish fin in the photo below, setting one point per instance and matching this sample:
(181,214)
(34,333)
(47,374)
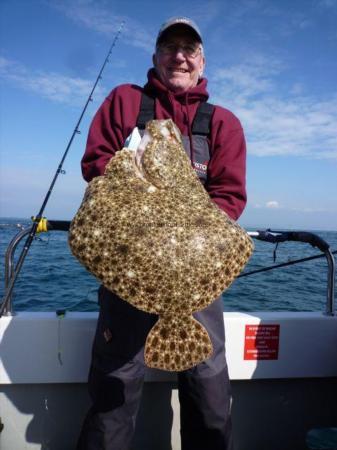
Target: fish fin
(177,343)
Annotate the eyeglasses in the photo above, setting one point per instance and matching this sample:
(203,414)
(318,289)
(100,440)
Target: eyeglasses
(189,50)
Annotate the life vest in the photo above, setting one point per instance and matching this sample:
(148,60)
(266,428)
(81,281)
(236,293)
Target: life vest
(201,127)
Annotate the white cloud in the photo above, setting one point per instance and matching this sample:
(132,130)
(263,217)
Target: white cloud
(272,204)
(277,124)
(54,86)
(296,89)
(327,3)
(96,16)
(203,16)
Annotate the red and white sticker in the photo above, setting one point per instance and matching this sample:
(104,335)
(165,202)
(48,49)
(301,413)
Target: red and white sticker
(261,342)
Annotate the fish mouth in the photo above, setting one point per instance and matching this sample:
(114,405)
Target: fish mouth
(146,139)
(168,131)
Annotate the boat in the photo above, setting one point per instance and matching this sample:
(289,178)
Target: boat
(282,366)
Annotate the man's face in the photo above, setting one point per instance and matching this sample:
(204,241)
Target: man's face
(179,61)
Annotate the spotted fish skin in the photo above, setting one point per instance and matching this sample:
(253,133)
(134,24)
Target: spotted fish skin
(177,342)
(149,232)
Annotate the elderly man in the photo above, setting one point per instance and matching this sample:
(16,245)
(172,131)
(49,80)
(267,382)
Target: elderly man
(214,140)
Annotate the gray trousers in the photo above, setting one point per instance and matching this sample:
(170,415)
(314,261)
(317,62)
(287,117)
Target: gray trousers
(117,375)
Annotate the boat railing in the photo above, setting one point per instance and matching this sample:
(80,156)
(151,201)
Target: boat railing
(6,307)
(314,240)
(268,235)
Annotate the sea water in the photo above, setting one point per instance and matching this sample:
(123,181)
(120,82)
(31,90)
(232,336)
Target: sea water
(52,279)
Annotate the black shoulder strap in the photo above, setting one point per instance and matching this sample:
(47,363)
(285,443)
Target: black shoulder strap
(146,111)
(201,123)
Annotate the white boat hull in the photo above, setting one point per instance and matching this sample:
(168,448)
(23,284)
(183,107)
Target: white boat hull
(283,368)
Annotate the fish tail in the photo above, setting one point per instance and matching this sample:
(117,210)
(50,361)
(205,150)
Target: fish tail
(177,343)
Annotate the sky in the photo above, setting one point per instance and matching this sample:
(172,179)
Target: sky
(273,63)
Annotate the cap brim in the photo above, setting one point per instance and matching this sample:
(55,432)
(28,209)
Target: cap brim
(163,33)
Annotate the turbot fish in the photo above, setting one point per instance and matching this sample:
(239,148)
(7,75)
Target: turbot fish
(148,230)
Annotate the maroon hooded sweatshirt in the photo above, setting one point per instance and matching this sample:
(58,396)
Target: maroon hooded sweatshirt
(117,116)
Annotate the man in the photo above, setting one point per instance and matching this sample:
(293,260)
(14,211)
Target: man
(214,140)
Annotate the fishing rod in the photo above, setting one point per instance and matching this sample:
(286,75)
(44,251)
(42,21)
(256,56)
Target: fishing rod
(288,263)
(38,217)
(276,237)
